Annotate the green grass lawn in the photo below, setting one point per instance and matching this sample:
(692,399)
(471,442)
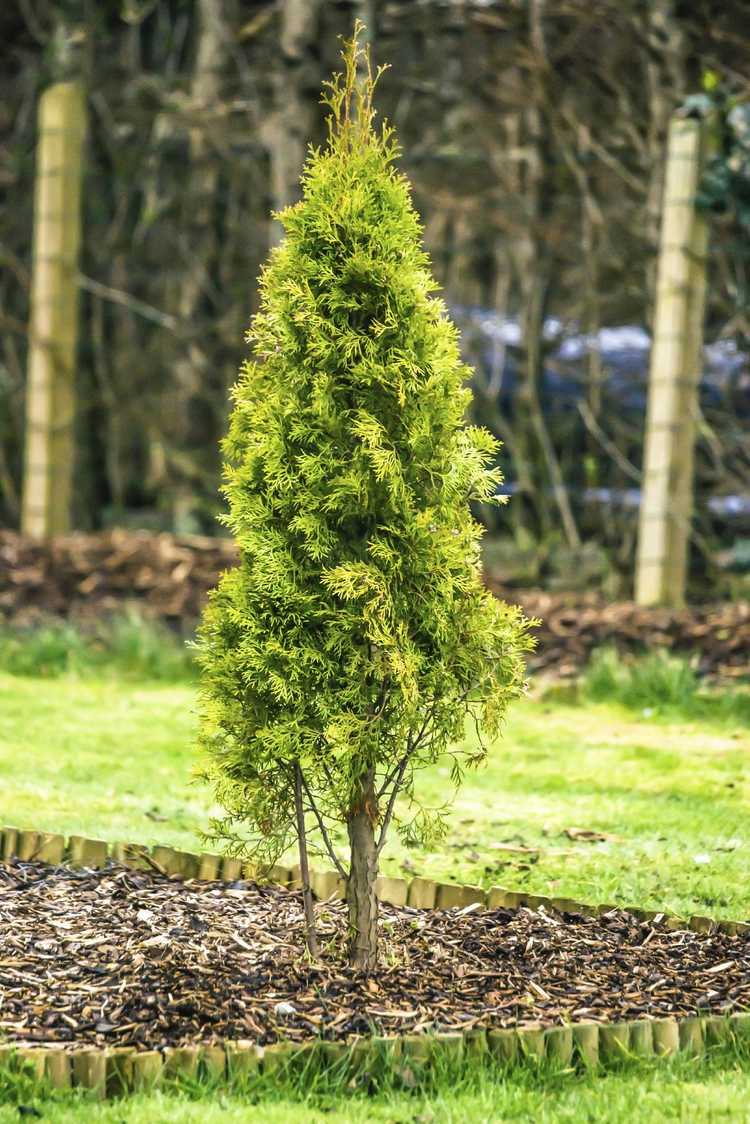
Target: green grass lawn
(113,758)
(670,793)
(715,1089)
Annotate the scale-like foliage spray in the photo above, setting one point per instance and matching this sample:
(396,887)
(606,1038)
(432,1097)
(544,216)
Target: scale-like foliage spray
(350,645)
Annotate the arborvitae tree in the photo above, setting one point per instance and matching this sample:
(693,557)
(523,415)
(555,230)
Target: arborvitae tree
(347,649)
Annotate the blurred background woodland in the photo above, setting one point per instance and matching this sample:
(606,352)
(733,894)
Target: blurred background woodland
(534,135)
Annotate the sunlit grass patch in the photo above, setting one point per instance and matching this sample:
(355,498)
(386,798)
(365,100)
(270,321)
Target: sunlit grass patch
(661,683)
(127,644)
(596,801)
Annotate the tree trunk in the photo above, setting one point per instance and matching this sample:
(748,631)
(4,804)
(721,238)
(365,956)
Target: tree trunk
(50,396)
(360,892)
(532,265)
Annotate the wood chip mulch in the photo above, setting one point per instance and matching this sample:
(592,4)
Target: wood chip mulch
(124,957)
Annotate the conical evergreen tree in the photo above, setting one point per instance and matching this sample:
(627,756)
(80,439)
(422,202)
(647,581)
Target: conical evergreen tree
(350,644)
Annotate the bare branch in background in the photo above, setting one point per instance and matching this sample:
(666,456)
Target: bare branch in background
(133,304)
(609,446)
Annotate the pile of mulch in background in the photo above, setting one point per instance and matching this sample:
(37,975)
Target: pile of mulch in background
(167,576)
(715,636)
(131,958)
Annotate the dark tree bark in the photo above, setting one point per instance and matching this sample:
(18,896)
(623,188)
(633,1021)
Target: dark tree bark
(361,897)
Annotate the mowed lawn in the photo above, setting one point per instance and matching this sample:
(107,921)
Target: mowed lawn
(663,805)
(717,1089)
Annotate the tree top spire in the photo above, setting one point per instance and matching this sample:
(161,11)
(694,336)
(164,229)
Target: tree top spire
(349,94)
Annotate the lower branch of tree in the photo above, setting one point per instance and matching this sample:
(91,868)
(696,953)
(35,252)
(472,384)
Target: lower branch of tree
(312,936)
(323,829)
(392,799)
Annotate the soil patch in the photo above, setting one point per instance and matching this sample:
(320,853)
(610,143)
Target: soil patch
(124,957)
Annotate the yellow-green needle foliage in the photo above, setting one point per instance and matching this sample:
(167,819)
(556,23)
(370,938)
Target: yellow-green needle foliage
(345,651)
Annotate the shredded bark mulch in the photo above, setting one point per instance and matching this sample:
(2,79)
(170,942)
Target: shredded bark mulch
(89,576)
(124,957)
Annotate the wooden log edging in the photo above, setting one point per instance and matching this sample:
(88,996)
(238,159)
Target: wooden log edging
(416,893)
(120,1070)
(116,1071)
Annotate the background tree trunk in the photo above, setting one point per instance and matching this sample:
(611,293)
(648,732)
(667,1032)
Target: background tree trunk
(290,127)
(199,242)
(676,355)
(360,893)
(50,396)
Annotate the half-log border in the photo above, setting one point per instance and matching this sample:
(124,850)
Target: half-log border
(119,1070)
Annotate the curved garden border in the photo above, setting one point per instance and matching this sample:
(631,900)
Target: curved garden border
(117,1070)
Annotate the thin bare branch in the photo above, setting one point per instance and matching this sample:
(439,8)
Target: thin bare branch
(323,829)
(304,865)
(139,307)
(392,800)
(609,446)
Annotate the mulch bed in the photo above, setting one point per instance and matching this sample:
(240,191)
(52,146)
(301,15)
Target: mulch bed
(125,957)
(87,576)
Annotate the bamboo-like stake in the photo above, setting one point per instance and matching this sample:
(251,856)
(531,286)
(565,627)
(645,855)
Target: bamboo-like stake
(676,359)
(50,396)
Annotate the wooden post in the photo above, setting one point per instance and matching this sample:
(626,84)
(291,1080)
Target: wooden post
(676,364)
(50,393)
